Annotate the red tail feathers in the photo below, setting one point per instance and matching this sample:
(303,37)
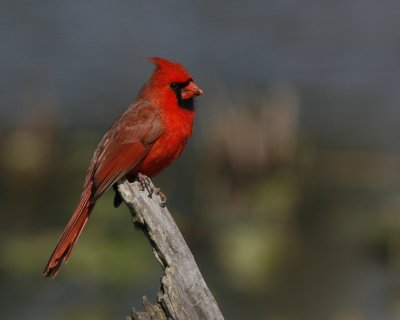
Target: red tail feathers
(70,235)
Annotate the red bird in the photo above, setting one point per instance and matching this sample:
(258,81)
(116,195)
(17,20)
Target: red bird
(144,140)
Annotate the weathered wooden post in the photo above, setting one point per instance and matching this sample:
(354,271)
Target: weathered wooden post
(183,294)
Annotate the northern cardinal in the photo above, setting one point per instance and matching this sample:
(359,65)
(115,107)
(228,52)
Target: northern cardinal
(144,140)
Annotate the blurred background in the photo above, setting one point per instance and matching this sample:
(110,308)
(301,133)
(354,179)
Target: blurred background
(287,194)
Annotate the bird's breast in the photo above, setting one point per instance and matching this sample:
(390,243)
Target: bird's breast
(176,132)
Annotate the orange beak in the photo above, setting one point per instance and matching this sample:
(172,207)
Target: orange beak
(191,90)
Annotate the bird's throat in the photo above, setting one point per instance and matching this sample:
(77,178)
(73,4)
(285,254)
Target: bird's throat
(187,104)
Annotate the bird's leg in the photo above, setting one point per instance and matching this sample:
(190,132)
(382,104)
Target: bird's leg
(146,184)
(117,198)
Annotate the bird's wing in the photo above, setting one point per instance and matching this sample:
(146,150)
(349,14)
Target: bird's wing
(125,145)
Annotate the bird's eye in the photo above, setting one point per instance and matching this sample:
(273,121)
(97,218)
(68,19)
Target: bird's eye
(174,85)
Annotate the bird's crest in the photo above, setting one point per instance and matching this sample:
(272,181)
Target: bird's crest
(169,70)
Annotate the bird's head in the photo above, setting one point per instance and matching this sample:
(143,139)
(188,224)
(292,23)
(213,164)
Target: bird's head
(173,81)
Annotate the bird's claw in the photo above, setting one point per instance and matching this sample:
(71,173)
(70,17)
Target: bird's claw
(162,196)
(146,185)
